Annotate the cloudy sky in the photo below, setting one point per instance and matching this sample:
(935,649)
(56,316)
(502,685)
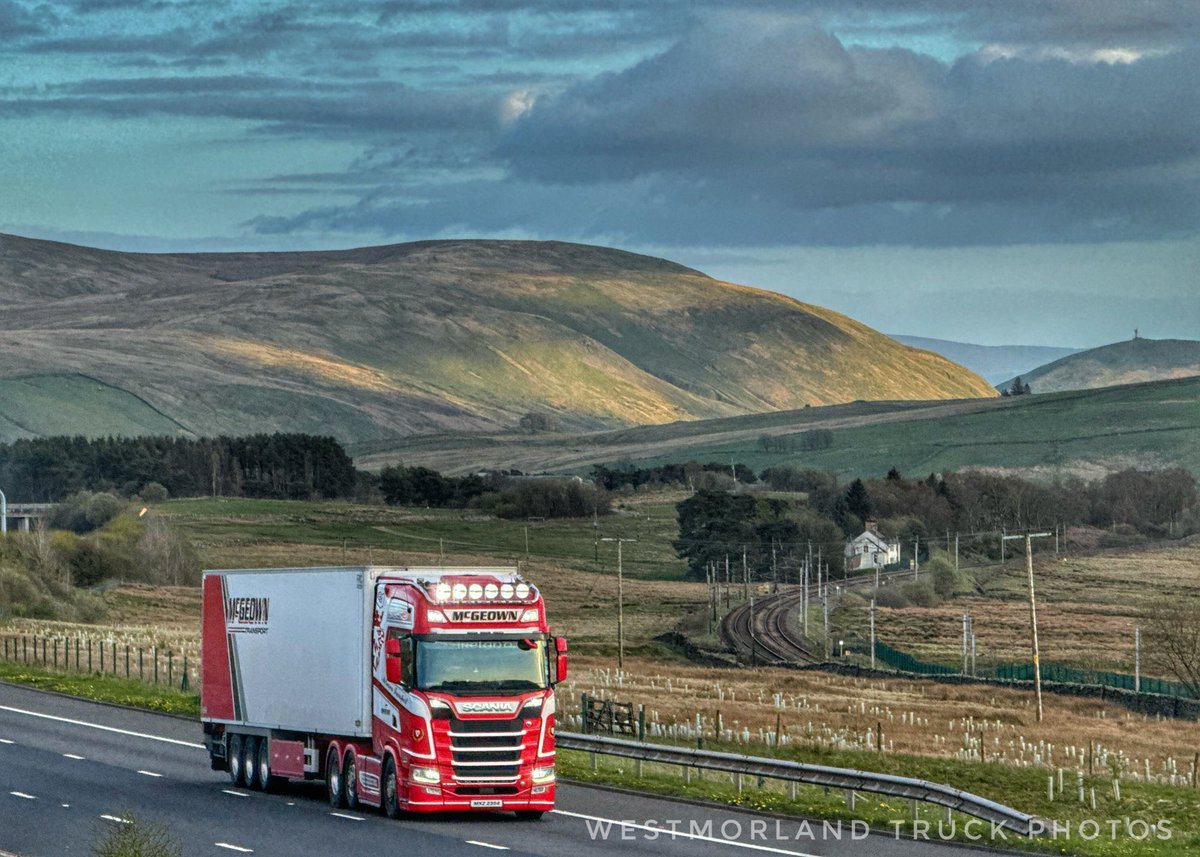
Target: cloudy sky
(992,171)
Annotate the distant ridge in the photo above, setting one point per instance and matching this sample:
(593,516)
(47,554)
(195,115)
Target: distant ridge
(384,342)
(996,363)
(1131,362)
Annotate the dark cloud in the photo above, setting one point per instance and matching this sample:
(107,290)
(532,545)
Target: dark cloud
(787,119)
(344,109)
(17,20)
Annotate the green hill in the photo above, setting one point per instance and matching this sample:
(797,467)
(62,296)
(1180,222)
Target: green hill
(1086,433)
(1129,362)
(39,405)
(381,343)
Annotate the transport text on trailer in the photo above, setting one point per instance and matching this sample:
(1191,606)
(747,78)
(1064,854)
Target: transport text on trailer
(409,689)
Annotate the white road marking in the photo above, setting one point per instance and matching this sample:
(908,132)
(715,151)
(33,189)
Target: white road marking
(117,819)
(5,741)
(344,815)
(236,794)
(149,774)
(73,756)
(103,728)
(487,845)
(666,831)
(66,806)
(234,847)
(23,795)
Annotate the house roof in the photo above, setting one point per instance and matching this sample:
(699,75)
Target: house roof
(873,538)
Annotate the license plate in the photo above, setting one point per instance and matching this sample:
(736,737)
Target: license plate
(487,804)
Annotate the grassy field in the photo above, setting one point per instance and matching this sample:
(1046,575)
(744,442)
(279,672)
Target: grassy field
(1087,433)
(221,528)
(38,405)
(1088,607)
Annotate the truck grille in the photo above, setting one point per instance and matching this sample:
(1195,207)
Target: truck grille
(486,751)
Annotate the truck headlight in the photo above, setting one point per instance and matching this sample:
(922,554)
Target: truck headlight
(543,775)
(428,776)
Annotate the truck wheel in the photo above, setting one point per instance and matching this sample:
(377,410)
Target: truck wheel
(391,790)
(250,762)
(234,754)
(266,781)
(350,778)
(333,778)
(529,814)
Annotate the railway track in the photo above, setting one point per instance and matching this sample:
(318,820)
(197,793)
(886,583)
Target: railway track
(769,632)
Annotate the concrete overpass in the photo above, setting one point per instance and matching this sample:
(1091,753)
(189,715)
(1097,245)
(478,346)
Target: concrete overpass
(23,516)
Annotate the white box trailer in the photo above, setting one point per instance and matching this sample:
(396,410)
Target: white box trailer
(320,634)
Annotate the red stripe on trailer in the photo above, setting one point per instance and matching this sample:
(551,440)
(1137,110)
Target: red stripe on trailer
(216,685)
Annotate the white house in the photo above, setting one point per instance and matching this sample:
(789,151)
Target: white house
(870,550)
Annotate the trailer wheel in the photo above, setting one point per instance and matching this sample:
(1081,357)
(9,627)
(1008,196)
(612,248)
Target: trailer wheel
(391,790)
(529,814)
(266,780)
(333,778)
(250,762)
(234,754)
(350,778)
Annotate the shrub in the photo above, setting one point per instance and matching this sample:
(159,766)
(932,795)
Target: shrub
(552,498)
(86,511)
(136,838)
(920,593)
(154,492)
(893,597)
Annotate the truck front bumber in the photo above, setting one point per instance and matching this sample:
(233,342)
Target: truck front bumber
(497,759)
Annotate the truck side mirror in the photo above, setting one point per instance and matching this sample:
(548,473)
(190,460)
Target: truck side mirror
(392,660)
(560,659)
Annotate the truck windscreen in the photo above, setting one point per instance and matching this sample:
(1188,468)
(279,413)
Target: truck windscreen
(481,666)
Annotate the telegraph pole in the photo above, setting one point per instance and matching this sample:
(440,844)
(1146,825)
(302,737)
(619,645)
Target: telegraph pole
(1033,634)
(804,599)
(1137,659)
(620,601)
(872,632)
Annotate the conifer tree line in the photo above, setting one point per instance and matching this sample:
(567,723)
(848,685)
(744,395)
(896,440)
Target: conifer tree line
(279,466)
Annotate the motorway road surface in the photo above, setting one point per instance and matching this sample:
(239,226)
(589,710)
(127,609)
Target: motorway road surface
(70,768)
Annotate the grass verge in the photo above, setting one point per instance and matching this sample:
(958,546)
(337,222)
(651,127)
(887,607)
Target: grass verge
(103,688)
(1148,819)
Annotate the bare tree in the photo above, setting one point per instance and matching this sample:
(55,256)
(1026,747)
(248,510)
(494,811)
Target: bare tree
(1171,640)
(164,556)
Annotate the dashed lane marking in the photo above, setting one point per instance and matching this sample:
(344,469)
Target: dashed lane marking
(22,795)
(128,732)
(487,845)
(350,817)
(117,819)
(5,741)
(149,774)
(236,794)
(73,756)
(237,848)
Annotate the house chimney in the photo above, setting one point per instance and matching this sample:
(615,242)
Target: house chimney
(872,527)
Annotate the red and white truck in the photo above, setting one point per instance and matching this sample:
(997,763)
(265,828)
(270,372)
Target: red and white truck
(409,689)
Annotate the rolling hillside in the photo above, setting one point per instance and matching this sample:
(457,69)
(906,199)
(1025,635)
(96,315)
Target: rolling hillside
(1128,362)
(1086,433)
(381,343)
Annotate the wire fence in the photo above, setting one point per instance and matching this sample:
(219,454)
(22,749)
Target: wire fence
(76,654)
(1051,672)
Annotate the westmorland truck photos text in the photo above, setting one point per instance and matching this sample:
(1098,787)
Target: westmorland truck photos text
(407,689)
